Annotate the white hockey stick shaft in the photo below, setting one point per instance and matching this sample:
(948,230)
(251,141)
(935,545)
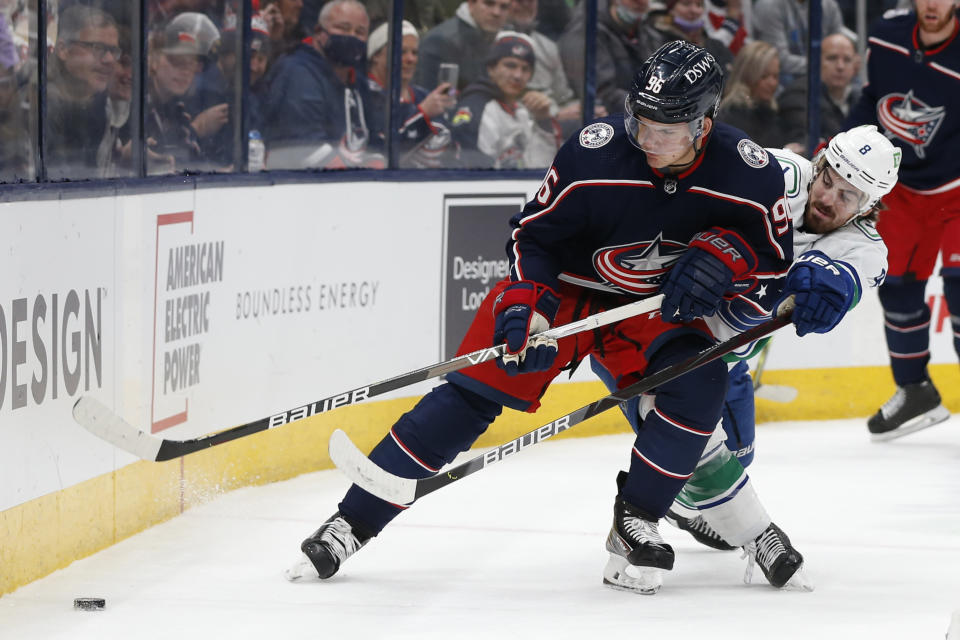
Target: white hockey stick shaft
(97,418)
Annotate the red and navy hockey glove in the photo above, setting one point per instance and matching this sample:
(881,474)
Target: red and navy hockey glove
(523,309)
(824,292)
(707,271)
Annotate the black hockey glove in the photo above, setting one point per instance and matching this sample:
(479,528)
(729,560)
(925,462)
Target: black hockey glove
(717,262)
(824,292)
(522,309)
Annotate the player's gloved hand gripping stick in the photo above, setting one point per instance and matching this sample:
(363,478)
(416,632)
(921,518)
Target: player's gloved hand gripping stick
(368,476)
(104,423)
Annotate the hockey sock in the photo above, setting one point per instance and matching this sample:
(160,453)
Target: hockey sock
(907,327)
(739,414)
(446,421)
(686,412)
(951,291)
(721,490)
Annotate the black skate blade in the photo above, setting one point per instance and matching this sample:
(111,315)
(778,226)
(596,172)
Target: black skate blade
(935,416)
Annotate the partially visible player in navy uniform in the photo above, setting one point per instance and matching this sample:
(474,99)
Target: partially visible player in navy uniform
(659,199)
(913,96)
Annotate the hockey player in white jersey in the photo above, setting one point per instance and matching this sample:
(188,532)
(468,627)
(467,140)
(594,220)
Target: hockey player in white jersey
(833,203)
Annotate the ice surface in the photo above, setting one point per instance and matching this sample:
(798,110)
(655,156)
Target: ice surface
(517,551)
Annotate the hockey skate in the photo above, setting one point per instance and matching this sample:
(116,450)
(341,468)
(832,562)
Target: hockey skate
(326,549)
(912,408)
(699,529)
(782,565)
(638,555)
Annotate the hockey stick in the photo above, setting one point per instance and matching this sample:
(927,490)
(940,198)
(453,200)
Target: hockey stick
(402,491)
(773,392)
(105,424)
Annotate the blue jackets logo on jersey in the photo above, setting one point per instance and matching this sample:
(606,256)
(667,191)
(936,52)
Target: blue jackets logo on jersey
(909,119)
(638,267)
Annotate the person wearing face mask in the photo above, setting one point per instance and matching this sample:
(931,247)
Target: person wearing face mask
(624,41)
(318,111)
(687,20)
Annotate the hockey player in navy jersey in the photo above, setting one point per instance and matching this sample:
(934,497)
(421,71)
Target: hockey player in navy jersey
(833,203)
(659,199)
(913,95)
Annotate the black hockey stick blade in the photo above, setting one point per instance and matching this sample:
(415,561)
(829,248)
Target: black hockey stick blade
(403,491)
(100,420)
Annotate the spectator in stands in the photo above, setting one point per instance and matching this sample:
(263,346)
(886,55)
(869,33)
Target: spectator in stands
(283,18)
(213,97)
(319,110)
(624,42)
(686,20)
(783,23)
(163,11)
(748,99)
(16,157)
(259,65)
(462,39)
(422,14)
(549,77)
(874,9)
(499,123)
(423,131)
(553,16)
(81,67)
(839,64)
(176,56)
(725,23)
(114,152)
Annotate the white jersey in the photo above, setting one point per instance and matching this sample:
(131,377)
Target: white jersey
(855,247)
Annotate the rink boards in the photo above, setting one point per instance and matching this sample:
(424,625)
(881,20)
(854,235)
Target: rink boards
(192,311)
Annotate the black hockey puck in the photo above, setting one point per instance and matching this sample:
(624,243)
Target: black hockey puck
(89,604)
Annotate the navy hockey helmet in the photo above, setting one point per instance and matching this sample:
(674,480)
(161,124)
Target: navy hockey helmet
(680,82)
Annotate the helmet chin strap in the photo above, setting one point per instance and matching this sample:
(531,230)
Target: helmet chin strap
(697,152)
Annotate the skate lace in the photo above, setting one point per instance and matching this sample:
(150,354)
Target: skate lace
(893,405)
(700,525)
(769,547)
(339,538)
(641,530)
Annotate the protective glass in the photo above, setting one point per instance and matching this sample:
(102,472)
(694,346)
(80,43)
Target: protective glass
(848,200)
(657,137)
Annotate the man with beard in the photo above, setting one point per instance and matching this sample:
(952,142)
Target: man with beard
(913,95)
(833,203)
(318,110)
(501,124)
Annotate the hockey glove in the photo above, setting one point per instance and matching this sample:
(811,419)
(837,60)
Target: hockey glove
(523,309)
(714,261)
(824,292)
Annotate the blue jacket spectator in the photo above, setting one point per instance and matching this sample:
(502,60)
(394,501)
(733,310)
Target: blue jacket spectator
(318,110)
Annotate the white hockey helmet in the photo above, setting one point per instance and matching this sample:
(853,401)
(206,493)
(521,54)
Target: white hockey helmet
(866,159)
